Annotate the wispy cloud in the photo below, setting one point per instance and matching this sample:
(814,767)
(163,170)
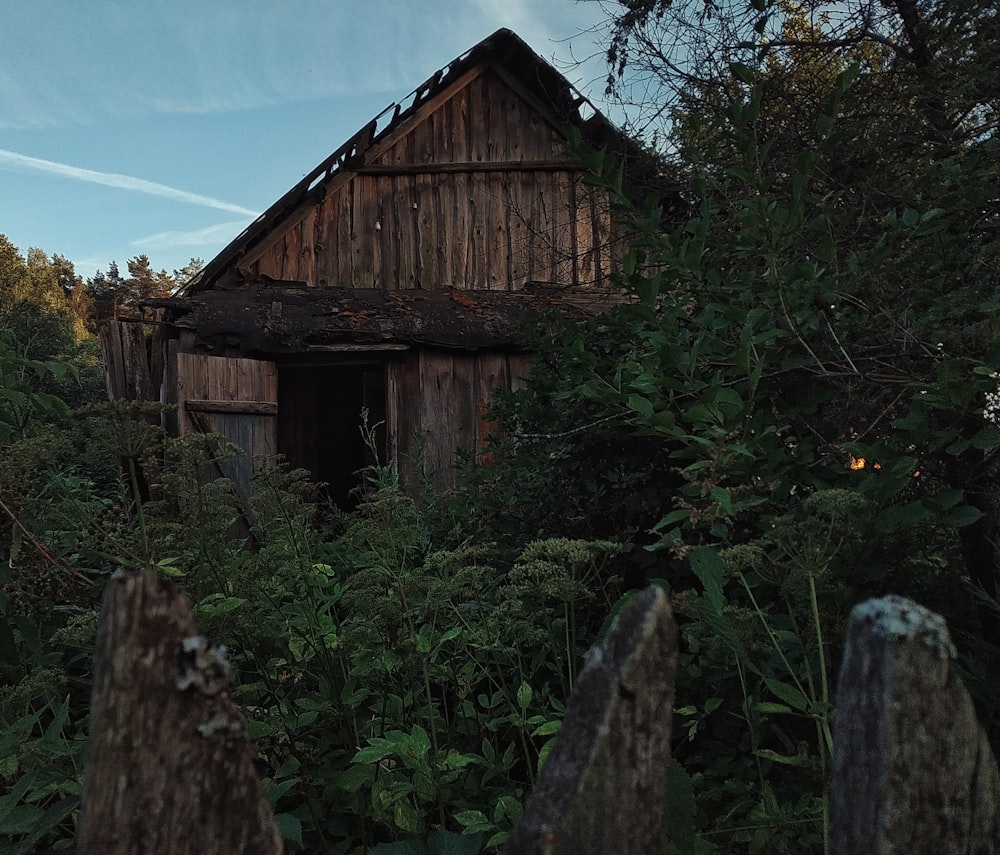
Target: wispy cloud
(122,182)
(213,235)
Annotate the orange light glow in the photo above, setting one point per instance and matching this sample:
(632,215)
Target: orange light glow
(857,463)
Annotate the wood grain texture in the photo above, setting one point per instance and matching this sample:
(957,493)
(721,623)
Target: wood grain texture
(474,193)
(913,773)
(603,787)
(169,770)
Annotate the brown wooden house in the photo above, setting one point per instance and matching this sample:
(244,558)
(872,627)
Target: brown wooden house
(393,277)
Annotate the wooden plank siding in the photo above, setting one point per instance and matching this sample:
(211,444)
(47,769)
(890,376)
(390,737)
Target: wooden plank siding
(474,193)
(229,381)
(437,400)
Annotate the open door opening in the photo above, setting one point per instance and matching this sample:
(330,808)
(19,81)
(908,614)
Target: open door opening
(319,424)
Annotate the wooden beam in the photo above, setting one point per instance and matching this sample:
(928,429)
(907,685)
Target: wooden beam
(356,348)
(470,166)
(257,408)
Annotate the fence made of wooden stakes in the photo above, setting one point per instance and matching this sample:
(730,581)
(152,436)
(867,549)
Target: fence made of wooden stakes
(170,769)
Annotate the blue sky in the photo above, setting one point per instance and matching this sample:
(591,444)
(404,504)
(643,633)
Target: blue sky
(163,126)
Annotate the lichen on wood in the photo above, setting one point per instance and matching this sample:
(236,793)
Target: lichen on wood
(603,788)
(913,772)
(169,768)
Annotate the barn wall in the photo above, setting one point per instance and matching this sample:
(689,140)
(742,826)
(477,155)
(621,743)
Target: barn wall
(234,397)
(436,401)
(477,194)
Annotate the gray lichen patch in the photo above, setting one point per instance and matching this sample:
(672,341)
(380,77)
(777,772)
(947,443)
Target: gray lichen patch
(202,666)
(222,722)
(900,619)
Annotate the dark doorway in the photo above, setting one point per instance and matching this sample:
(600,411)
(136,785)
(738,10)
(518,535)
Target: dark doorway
(319,422)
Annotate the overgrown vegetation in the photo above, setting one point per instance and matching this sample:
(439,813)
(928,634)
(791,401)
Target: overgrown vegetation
(797,411)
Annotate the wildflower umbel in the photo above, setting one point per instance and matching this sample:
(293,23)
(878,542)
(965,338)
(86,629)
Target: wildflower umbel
(991,411)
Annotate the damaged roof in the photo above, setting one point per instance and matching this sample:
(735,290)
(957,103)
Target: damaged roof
(292,318)
(550,91)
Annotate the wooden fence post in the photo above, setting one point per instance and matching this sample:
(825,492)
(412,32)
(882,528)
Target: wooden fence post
(169,768)
(603,788)
(913,772)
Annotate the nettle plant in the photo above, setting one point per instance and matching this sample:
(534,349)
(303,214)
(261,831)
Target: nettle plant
(400,695)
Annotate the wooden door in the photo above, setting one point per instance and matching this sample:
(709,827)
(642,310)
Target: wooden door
(236,398)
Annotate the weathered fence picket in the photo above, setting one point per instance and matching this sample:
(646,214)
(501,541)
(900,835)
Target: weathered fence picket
(913,772)
(603,788)
(169,769)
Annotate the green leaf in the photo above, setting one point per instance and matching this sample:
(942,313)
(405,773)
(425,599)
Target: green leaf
(771,708)
(548,728)
(524,695)
(962,516)
(791,695)
(289,826)
(378,750)
(356,777)
(276,791)
(901,516)
(419,741)
(640,405)
(682,810)
(48,821)
(824,124)
(707,565)
(473,821)
(53,733)
(406,818)
(741,72)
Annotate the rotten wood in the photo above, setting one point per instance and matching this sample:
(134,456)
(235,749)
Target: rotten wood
(169,769)
(603,787)
(129,374)
(913,773)
(261,408)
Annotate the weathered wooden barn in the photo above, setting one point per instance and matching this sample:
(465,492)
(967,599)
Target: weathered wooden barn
(393,278)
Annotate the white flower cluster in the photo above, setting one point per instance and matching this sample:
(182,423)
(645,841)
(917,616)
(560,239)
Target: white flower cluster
(991,412)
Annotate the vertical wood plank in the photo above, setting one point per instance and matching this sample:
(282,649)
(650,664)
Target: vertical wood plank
(306,256)
(385,246)
(463,406)
(427,256)
(344,272)
(518,369)
(364,218)
(492,373)
(564,231)
(543,269)
(171,387)
(479,122)
(458,237)
(404,409)
(407,213)
(583,227)
(437,423)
